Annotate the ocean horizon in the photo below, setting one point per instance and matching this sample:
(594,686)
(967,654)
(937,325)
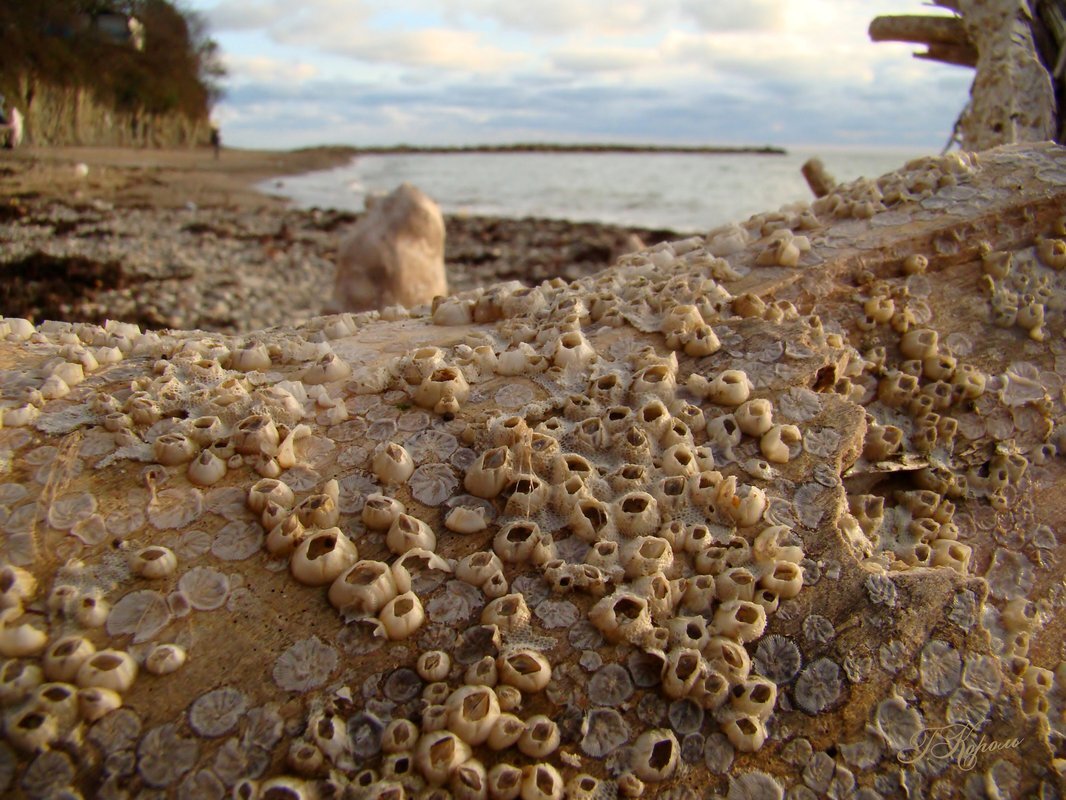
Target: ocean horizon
(686,192)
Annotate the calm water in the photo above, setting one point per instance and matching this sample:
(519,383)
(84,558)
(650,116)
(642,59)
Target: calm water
(682,192)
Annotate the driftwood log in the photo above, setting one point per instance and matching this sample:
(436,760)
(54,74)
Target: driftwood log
(776,509)
(1017,56)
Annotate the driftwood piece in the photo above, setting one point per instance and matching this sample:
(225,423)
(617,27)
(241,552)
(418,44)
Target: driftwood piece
(818,177)
(772,507)
(958,55)
(1012,98)
(920,29)
(945,38)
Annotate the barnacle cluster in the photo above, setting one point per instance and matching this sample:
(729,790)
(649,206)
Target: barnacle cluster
(579,539)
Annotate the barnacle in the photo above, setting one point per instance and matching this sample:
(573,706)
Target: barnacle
(654,476)
(216,713)
(818,686)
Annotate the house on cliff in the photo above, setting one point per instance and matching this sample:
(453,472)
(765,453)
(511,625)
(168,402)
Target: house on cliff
(119,28)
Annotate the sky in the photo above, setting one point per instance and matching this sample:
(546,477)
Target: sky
(693,72)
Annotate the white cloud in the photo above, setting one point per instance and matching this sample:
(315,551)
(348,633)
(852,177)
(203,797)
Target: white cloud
(438,48)
(561,17)
(278,15)
(737,15)
(666,70)
(269,70)
(602,59)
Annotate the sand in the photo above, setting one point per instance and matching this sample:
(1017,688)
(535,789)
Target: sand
(157,178)
(178,239)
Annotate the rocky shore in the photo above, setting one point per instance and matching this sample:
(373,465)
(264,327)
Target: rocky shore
(176,241)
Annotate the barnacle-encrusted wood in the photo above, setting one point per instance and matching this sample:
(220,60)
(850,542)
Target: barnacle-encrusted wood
(745,514)
(1015,47)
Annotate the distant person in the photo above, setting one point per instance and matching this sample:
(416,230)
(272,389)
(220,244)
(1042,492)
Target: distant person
(16,127)
(216,140)
(10,126)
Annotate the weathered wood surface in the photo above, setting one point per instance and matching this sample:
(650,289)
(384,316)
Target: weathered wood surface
(919,492)
(1013,97)
(940,35)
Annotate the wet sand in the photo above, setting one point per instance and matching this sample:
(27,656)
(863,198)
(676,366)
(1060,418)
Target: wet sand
(158,178)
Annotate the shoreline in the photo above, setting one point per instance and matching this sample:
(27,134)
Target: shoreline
(755,150)
(160,178)
(175,239)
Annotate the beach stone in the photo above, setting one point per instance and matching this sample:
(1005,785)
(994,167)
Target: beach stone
(394,256)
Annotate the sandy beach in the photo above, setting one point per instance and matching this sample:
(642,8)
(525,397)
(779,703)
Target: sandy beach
(180,239)
(157,178)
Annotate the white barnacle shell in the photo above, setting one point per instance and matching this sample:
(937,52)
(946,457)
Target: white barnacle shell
(489,474)
(22,416)
(727,240)
(443,390)
(16,586)
(286,451)
(1052,252)
(572,350)
(174,448)
(164,659)
(525,669)
(256,434)
(364,588)
(321,557)
(69,373)
(269,490)
(19,329)
(253,356)
(402,616)
(392,463)
(417,563)
(466,519)
(206,469)
(729,388)
(95,702)
(453,311)
(63,658)
(153,562)
(328,369)
(622,616)
(409,533)
(472,713)
(782,251)
(656,754)
(777,441)
(54,388)
(636,514)
(380,511)
(108,669)
(515,360)
(19,639)
(438,754)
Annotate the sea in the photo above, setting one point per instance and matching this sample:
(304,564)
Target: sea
(681,192)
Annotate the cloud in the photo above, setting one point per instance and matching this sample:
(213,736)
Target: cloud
(279,15)
(467,110)
(268,70)
(561,17)
(688,71)
(439,48)
(736,15)
(602,59)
